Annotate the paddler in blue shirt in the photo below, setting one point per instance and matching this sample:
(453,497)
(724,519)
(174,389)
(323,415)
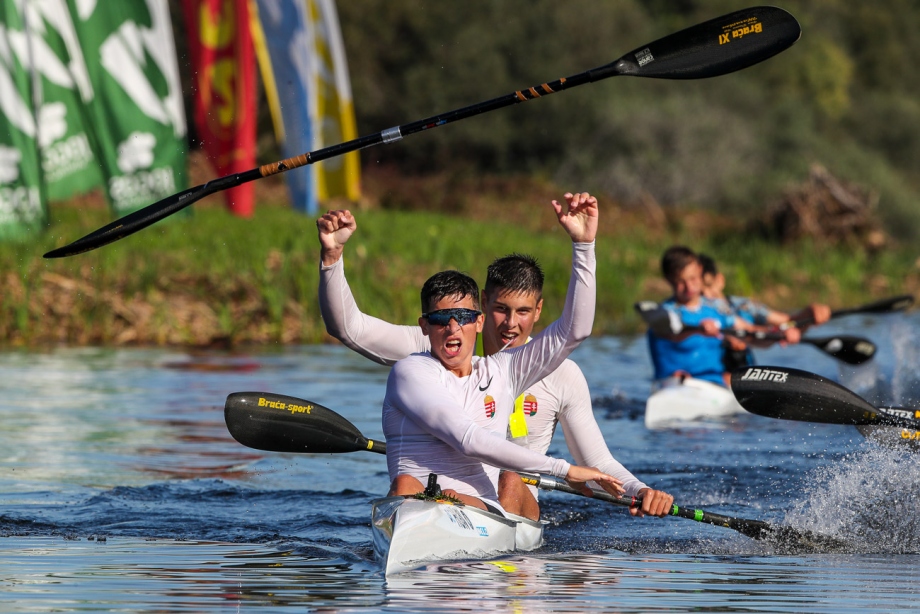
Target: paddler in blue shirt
(692,353)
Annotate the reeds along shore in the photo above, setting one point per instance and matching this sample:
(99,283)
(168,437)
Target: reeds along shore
(212,280)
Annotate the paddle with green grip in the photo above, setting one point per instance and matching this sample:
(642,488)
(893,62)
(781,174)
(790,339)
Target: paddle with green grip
(279,423)
(787,537)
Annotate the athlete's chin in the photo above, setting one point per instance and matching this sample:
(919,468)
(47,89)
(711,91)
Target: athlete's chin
(452,359)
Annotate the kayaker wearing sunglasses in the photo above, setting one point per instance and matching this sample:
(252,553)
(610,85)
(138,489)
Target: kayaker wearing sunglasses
(512,300)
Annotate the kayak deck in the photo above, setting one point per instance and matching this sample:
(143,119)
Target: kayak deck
(409,533)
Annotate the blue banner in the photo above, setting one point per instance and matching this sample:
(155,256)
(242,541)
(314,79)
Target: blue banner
(287,39)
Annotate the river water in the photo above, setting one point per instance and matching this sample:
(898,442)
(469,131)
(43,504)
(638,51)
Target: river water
(120,489)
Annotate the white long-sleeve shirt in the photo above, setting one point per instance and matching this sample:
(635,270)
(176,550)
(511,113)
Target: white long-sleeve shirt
(562,397)
(436,422)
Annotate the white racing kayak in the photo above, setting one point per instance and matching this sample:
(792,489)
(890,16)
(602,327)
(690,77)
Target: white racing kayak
(680,400)
(409,533)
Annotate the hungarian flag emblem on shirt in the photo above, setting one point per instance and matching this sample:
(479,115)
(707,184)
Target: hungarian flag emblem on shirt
(530,405)
(490,406)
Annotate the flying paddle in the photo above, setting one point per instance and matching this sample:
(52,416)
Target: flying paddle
(716,47)
(846,348)
(791,394)
(279,423)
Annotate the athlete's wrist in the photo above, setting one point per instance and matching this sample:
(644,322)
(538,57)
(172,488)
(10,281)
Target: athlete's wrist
(330,256)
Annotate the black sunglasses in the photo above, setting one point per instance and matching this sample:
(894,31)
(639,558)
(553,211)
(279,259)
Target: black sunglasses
(442,317)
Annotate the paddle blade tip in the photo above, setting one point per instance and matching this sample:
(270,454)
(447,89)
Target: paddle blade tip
(94,240)
(60,252)
(789,540)
(73,249)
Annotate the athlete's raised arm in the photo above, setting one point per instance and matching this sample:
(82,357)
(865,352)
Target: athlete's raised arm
(373,338)
(532,362)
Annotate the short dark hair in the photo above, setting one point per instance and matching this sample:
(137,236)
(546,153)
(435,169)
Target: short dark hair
(675,259)
(515,273)
(453,284)
(708,264)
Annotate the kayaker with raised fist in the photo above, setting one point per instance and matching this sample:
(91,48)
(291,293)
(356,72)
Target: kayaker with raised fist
(512,301)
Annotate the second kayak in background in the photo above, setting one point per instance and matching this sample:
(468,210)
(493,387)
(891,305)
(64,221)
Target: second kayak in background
(678,400)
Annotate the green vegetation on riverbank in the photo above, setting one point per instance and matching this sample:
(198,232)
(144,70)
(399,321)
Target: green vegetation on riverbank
(844,97)
(214,279)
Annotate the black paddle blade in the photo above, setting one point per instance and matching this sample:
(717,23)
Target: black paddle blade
(788,540)
(851,350)
(279,423)
(142,218)
(129,224)
(716,47)
(791,394)
(886,305)
(784,539)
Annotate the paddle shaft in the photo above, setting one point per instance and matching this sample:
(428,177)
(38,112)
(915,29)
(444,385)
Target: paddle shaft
(861,349)
(716,47)
(740,333)
(886,305)
(755,529)
(846,348)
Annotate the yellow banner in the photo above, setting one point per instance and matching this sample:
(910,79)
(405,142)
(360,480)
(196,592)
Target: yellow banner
(334,122)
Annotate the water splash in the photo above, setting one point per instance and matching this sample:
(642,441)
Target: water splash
(868,500)
(905,386)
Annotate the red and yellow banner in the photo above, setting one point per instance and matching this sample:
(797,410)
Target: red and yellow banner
(224,86)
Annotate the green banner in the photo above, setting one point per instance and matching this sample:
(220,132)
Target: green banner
(62,90)
(89,96)
(22,209)
(137,112)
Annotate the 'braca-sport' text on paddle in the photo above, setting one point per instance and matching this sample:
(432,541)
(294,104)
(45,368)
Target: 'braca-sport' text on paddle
(791,394)
(716,47)
(279,423)
(845,348)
